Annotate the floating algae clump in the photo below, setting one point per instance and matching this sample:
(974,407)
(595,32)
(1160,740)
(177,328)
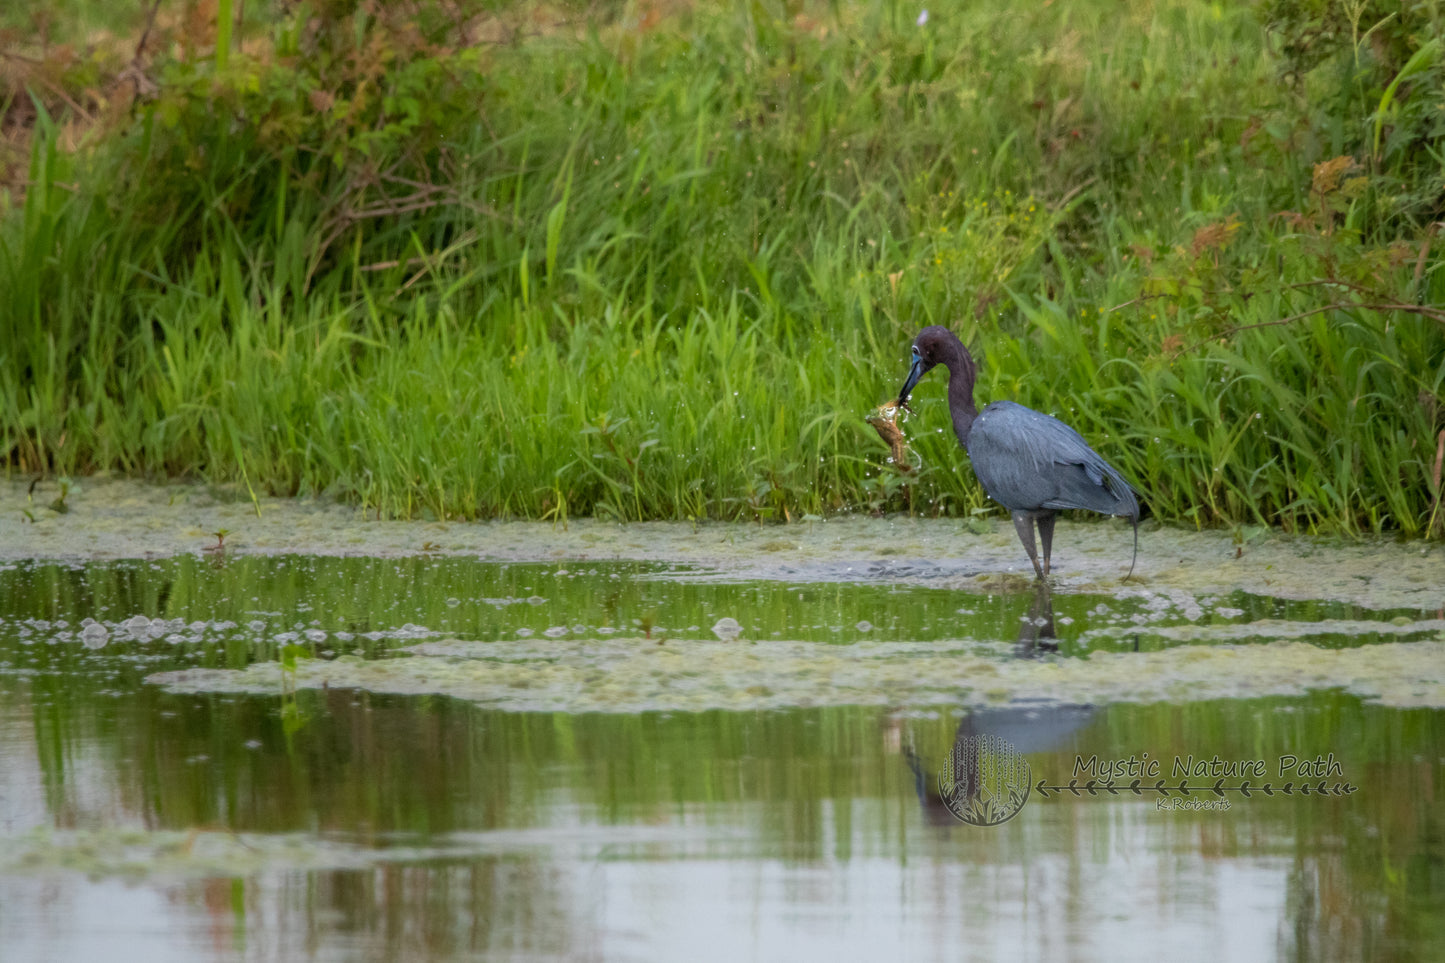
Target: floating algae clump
(119,518)
(632,675)
(140,854)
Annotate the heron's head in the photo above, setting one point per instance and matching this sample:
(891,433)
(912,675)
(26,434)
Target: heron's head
(934,345)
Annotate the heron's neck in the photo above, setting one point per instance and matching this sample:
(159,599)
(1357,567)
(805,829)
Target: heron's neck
(961,374)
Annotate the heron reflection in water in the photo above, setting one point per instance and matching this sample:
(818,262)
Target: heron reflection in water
(1025,729)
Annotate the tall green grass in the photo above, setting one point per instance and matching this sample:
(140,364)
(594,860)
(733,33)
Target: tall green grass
(673,269)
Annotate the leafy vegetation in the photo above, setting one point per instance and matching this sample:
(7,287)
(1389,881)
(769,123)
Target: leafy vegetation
(656,260)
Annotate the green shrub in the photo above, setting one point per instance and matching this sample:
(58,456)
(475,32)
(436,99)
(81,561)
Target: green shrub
(662,266)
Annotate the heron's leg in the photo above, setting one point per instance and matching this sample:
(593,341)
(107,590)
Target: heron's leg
(1046,535)
(1024,525)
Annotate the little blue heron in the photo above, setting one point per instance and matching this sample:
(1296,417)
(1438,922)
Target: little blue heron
(1028,462)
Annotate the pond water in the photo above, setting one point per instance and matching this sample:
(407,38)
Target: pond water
(727,742)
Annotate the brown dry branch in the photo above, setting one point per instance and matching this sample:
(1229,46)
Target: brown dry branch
(1078,189)
(432,262)
(388,265)
(1434,314)
(135,71)
(1425,253)
(1139,300)
(1435,517)
(1429,311)
(353,207)
(64,97)
(1439,463)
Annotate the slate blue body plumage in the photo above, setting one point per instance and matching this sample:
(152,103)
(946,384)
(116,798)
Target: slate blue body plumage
(1030,463)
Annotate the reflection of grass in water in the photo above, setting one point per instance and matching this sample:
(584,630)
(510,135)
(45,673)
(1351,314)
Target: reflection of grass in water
(806,787)
(138,854)
(494,601)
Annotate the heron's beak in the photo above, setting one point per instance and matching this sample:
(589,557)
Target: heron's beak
(914,373)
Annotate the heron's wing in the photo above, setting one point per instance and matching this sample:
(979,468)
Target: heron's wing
(1028,461)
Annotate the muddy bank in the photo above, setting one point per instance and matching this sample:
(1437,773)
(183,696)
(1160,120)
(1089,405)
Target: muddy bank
(124,519)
